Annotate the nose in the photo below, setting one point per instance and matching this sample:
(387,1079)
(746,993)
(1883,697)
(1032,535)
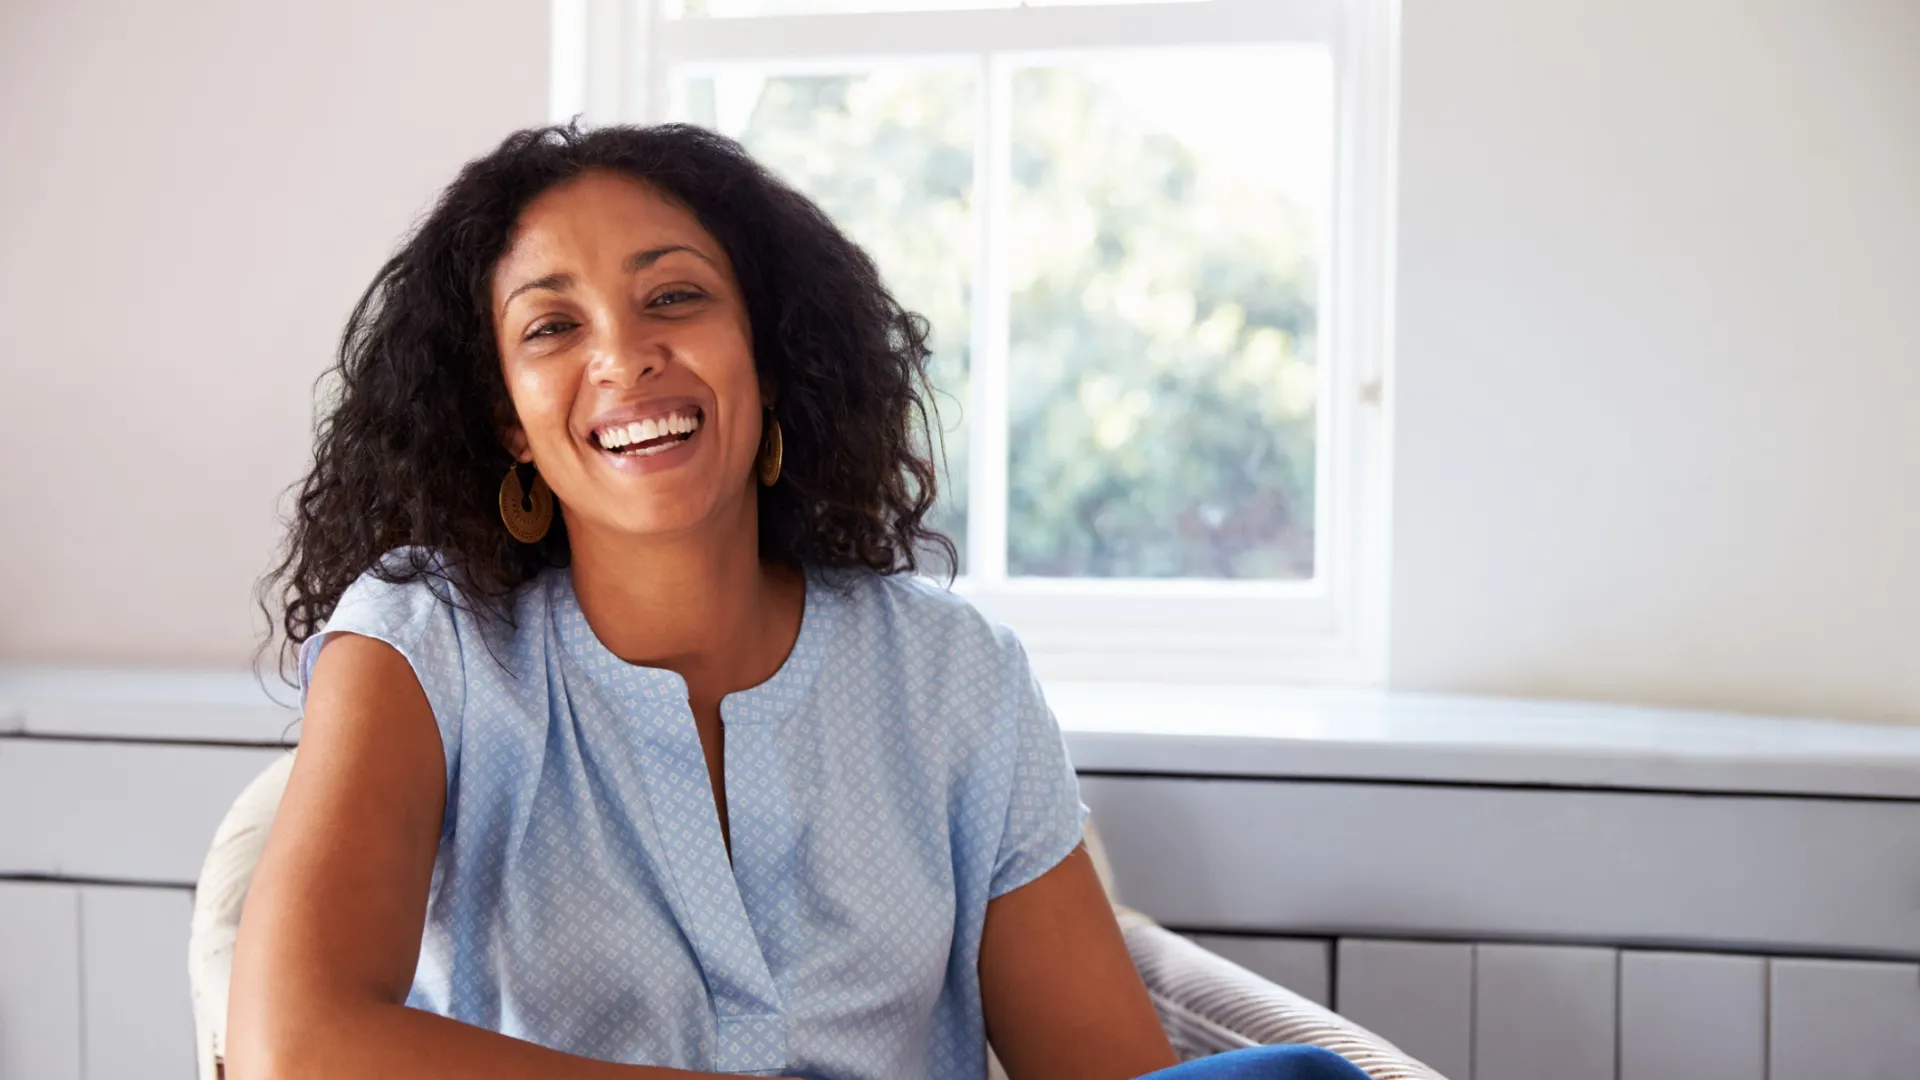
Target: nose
(626,354)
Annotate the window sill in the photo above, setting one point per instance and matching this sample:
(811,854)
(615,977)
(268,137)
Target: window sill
(1259,732)
(1360,735)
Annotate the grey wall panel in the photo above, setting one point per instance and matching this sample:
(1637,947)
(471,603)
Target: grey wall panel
(1417,995)
(1307,859)
(1692,1015)
(138,1009)
(1543,1011)
(183,705)
(117,811)
(195,722)
(1844,1020)
(1302,965)
(39,982)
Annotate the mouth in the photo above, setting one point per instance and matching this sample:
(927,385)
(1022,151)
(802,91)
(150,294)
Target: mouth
(653,435)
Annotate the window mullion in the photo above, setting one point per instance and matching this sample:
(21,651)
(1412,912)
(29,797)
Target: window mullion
(651,92)
(987,411)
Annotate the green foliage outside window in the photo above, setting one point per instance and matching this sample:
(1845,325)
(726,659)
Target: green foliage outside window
(1162,374)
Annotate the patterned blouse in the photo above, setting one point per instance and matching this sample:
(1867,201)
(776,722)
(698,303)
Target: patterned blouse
(900,770)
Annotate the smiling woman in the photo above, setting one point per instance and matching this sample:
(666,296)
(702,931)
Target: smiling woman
(692,774)
(418,443)
(632,373)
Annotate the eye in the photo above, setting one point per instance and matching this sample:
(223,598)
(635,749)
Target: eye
(676,296)
(549,328)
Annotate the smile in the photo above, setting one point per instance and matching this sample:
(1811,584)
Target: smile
(643,438)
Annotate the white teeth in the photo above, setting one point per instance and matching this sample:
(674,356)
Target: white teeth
(614,438)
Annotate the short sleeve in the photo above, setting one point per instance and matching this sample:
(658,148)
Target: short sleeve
(1045,818)
(418,621)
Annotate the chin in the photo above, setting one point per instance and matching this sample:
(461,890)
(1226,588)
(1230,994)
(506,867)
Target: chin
(656,515)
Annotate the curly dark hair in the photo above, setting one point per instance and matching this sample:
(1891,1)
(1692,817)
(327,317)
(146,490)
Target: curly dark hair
(410,455)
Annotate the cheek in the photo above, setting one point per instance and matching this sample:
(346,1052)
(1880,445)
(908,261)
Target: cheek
(534,389)
(723,359)
(748,415)
(541,400)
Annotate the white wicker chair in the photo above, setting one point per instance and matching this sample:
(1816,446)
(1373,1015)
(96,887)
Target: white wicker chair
(1206,1003)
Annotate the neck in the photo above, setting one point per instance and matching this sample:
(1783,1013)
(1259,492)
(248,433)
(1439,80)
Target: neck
(702,604)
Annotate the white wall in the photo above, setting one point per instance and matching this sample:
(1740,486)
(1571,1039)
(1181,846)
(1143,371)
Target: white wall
(1657,400)
(1658,387)
(192,194)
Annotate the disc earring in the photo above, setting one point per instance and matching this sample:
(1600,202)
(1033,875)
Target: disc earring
(770,450)
(527,510)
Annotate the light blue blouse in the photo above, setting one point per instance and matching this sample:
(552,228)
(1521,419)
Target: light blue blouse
(899,770)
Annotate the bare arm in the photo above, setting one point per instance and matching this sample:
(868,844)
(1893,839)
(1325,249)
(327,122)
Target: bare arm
(1061,996)
(331,932)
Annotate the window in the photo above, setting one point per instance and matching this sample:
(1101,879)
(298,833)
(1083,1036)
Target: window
(1151,238)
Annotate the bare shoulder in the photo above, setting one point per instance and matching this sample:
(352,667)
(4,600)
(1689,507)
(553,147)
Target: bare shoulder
(353,671)
(368,724)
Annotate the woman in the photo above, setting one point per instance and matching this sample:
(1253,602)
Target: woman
(628,736)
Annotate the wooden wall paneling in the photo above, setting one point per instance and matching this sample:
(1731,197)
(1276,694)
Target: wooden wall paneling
(1543,1011)
(1302,965)
(1417,995)
(117,811)
(1820,877)
(1844,1020)
(139,1013)
(39,982)
(1694,1015)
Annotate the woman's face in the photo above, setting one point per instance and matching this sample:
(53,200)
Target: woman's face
(626,350)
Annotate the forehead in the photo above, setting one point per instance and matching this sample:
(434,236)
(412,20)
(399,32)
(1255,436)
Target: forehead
(594,221)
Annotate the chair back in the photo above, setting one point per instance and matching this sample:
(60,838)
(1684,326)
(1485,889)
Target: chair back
(217,900)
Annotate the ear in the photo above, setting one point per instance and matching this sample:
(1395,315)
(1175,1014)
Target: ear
(506,426)
(514,438)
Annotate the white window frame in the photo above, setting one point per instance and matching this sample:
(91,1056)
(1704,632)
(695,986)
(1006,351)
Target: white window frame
(612,60)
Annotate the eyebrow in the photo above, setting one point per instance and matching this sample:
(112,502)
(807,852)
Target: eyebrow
(634,263)
(552,283)
(640,260)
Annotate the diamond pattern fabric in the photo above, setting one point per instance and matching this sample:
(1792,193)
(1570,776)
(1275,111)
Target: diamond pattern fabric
(899,771)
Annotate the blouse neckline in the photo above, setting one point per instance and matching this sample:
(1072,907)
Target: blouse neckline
(771,700)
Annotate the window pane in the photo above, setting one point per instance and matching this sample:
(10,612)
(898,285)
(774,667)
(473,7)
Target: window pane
(888,153)
(727,9)
(1168,215)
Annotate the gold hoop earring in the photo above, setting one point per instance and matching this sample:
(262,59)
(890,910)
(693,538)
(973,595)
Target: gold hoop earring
(526,509)
(770,449)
